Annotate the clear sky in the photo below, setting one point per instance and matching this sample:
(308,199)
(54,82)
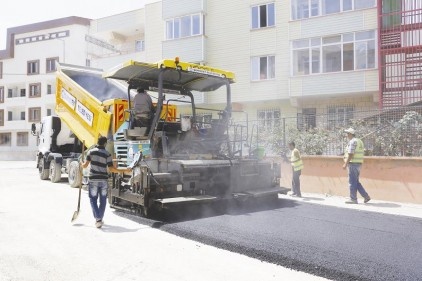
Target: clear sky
(21,12)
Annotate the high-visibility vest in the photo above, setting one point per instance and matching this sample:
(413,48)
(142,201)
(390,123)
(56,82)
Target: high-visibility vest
(297,163)
(359,152)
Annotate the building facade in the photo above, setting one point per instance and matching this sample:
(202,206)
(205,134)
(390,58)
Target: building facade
(295,58)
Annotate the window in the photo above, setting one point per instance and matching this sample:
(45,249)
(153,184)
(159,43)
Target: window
(263,16)
(302,9)
(5,139)
(51,64)
(9,116)
(22,115)
(49,90)
(34,114)
(1,117)
(186,26)
(23,92)
(307,119)
(139,45)
(22,139)
(88,62)
(1,70)
(33,67)
(1,94)
(49,112)
(35,90)
(268,119)
(345,52)
(263,68)
(339,116)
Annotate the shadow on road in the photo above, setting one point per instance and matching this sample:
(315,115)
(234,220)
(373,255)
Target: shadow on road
(383,204)
(196,212)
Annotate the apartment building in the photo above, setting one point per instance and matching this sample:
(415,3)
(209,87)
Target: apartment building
(295,58)
(27,80)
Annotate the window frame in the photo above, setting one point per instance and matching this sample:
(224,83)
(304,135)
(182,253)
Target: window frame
(32,114)
(50,64)
(270,19)
(8,141)
(22,136)
(256,74)
(268,122)
(1,94)
(1,70)
(174,28)
(33,87)
(33,67)
(1,117)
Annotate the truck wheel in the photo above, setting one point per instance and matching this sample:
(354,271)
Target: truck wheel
(75,176)
(55,171)
(44,173)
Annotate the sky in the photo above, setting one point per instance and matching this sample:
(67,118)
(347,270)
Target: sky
(21,12)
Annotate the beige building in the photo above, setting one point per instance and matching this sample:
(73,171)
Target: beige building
(291,58)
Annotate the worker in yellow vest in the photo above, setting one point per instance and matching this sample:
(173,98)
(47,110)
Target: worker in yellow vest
(297,166)
(353,160)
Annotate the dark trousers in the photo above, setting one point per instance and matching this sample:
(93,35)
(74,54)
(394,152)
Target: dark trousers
(143,122)
(296,182)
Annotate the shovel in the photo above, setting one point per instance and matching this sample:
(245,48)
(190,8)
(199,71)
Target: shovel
(76,213)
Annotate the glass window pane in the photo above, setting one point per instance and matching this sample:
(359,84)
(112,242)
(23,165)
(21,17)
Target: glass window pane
(314,8)
(263,16)
(347,5)
(255,17)
(169,29)
(330,6)
(371,54)
(301,62)
(360,53)
(348,37)
(300,43)
(331,39)
(316,60)
(331,56)
(255,68)
(271,14)
(348,57)
(176,32)
(365,35)
(271,67)
(185,26)
(263,68)
(196,24)
(315,42)
(300,9)
(362,4)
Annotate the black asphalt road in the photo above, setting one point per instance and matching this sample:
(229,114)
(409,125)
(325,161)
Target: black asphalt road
(335,243)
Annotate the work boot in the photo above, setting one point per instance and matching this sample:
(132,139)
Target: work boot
(367,199)
(99,223)
(351,201)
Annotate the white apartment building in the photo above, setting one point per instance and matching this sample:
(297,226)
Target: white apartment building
(295,57)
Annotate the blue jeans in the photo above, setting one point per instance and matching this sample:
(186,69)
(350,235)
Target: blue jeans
(98,188)
(354,183)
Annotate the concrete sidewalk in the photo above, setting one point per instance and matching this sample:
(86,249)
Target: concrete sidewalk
(386,207)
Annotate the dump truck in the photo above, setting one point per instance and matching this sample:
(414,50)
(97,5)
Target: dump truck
(188,157)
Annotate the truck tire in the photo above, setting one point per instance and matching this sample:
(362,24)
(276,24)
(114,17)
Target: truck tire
(44,173)
(75,176)
(55,171)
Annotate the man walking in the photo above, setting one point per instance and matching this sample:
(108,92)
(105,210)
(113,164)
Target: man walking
(297,166)
(353,159)
(100,160)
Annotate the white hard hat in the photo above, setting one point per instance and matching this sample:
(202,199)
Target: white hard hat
(350,131)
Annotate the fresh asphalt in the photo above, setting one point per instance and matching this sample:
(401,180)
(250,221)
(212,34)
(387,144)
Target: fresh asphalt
(258,241)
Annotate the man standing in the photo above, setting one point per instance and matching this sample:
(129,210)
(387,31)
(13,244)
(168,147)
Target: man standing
(100,160)
(143,109)
(297,166)
(353,159)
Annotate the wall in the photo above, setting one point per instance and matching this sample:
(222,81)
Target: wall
(384,178)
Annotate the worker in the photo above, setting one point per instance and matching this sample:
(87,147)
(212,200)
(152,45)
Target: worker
(297,166)
(353,160)
(144,109)
(101,163)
